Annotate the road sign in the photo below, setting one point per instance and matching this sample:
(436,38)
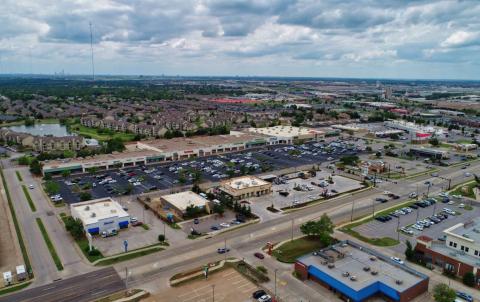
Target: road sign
(90,239)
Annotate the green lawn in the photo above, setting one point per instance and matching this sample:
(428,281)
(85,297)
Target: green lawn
(125,257)
(290,251)
(19,176)
(51,247)
(93,133)
(468,193)
(15,223)
(14,288)
(29,198)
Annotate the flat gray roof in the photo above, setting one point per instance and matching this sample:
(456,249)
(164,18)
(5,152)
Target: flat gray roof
(352,258)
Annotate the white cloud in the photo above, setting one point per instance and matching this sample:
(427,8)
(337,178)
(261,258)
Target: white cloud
(461,38)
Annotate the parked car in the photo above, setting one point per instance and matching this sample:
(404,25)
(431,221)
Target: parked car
(412,195)
(265,298)
(109,233)
(259,255)
(259,293)
(196,221)
(215,227)
(465,296)
(31,186)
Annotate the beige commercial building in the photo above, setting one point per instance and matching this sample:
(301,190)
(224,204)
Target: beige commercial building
(178,203)
(245,187)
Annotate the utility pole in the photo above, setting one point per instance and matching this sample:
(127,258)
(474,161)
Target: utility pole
(126,277)
(291,239)
(275,291)
(351,214)
(213,292)
(373,207)
(225,246)
(398,227)
(91,50)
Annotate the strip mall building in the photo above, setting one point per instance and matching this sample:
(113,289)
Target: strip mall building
(166,150)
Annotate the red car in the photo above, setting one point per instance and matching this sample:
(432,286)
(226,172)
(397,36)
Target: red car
(136,223)
(259,255)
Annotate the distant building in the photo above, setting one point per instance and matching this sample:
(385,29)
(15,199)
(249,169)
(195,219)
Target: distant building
(357,273)
(430,153)
(387,94)
(178,203)
(100,215)
(458,253)
(245,187)
(289,134)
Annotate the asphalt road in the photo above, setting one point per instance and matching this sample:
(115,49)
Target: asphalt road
(82,288)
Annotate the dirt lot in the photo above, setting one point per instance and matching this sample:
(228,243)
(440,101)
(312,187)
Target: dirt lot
(229,286)
(10,254)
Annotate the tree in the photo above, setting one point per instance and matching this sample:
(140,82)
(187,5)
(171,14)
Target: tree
(350,160)
(323,229)
(192,211)
(434,141)
(161,238)
(84,196)
(219,208)
(36,167)
(115,144)
(66,173)
(409,252)
(469,279)
(52,187)
(75,227)
(443,293)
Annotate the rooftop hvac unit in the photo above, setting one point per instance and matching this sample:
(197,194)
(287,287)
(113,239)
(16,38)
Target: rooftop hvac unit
(353,278)
(374,273)
(476,230)
(331,265)
(87,208)
(324,262)
(93,215)
(106,204)
(366,268)
(373,258)
(345,274)
(113,211)
(399,282)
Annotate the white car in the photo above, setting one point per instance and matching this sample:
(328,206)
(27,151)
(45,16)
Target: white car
(412,195)
(31,186)
(397,260)
(133,219)
(224,225)
(417,227)
(264,298)
(462,205)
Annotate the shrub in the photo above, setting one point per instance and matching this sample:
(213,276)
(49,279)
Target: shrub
(161,238)
(469,279)
(262,269)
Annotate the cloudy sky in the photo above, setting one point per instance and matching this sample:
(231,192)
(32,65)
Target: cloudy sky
(335,38)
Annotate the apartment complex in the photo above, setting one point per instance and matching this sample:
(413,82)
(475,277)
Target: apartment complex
(43,143)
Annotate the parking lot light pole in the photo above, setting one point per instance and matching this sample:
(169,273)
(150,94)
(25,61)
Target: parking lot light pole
(225,246)
(351,214)
(291,239)
(213,292)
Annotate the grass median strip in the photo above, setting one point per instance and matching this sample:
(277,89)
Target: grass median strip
(19,176)
(29,198)
(14,288)
(16,224)
(128,256)
(50,246)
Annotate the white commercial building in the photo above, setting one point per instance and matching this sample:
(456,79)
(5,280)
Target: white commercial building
(289,134)
(100,215)
(413,128)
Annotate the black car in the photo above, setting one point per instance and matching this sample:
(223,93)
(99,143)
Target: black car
(413,206)
(259,293)
(381,218)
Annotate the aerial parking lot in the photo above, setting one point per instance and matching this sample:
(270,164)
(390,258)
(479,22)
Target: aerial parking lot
(140,179)
(429,216)
(297,191)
